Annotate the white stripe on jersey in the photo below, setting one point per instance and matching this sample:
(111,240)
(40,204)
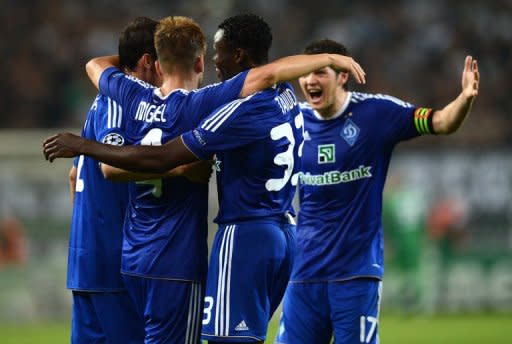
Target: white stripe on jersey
(357,97)
(219,284)
(194,312)
(228,282)
(109,113)
(223,288)
(120,116)
(114,114)
(223,114)
(212,120)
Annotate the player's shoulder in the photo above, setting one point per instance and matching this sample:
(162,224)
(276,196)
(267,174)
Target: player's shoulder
(139,82)
(377,99)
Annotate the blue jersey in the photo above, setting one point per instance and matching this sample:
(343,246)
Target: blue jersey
(256,141)
(344,166)
(166,225)
(98,210)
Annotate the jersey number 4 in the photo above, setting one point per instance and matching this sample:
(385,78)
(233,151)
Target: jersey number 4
(286,158)
(153,138)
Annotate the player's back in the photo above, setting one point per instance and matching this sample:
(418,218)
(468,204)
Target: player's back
(98,209)
(256,141)
(167,218)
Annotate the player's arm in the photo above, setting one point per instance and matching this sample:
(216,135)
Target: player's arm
(72,183)
(451,117)
(198,172)
(152,159)
(98,65)
(292,67)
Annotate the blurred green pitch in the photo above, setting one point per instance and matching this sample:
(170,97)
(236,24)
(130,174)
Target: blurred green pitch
(439,329)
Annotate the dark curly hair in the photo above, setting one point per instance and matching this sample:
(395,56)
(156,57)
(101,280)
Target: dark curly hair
(136,40)
(325,46)
(249,32)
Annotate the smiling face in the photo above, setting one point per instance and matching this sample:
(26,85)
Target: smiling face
(323,90)
(225,58)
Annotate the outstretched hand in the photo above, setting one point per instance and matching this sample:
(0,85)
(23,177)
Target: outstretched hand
(470,78)
(62,145)
(349,65)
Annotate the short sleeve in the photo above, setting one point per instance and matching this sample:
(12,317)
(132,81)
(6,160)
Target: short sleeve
(120,87)
(229,127)
(400,121)
(202,102)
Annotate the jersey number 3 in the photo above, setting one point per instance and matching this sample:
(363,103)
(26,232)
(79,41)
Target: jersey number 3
(286,158)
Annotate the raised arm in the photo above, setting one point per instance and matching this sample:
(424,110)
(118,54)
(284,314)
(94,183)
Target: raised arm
(152,159)
(97,65)
(292,67)
(451,117)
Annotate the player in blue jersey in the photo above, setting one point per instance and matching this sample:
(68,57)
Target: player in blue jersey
(102,311)
(257,141)
(335,287)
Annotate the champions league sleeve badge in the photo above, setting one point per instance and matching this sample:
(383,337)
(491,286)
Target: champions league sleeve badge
(350,132)
(114,139)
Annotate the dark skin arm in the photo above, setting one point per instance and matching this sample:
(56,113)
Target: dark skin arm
(153,159)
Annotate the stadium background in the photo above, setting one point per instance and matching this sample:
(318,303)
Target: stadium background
(411,49)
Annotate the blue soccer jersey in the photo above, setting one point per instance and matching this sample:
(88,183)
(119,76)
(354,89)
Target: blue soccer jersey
(167,218)
(256,142)
(344,166)
(98,210)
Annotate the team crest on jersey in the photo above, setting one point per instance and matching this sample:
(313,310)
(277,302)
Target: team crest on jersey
(113,139)
(326,153)
(350,132)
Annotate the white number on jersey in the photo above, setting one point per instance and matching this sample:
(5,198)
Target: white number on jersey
(79,186)
(153,138)
(286,158)
(208,305)
(373,321)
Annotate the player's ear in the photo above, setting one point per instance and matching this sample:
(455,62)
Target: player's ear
(241,56)
(342,78)
(147,61)
(158,68)
(199,64)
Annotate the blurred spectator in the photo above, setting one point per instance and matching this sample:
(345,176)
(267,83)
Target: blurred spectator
(404,214)
(13,245)
(45,45)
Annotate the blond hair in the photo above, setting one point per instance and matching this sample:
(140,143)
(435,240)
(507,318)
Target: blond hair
(178,41)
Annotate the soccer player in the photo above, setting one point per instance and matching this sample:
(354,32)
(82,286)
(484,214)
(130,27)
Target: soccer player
(102,311)
(257,142)
(336,285)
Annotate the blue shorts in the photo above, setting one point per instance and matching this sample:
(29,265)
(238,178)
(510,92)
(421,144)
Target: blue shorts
(171,309)
(104,317)
(313,312)
(250,266)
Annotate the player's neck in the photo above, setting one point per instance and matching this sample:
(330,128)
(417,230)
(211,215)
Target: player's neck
(179,81)
(339,100)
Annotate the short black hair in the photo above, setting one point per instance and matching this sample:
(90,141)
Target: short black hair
(325,45)
(249,32)
(136,40)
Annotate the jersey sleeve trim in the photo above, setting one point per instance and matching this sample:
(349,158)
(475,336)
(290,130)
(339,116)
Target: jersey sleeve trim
(423,121)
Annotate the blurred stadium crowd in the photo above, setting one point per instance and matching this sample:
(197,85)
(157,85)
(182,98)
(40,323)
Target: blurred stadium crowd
(412,49)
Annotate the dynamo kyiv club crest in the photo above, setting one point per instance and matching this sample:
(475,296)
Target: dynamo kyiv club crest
(350,132)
